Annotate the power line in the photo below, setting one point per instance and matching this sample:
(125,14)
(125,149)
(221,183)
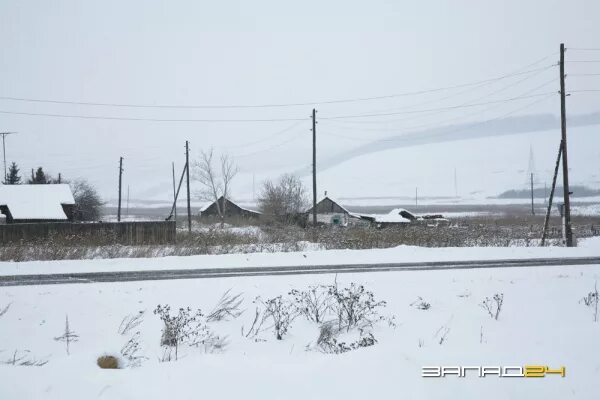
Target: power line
(223,106)
(584,49)
(435,109)
(397,137)
(110,118)
(289,128)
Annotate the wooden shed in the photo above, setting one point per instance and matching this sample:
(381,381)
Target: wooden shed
(231,210)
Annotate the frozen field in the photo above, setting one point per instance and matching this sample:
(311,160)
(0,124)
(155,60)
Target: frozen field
(543,321)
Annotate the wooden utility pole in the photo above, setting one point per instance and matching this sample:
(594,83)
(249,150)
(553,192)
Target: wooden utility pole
(532,207)
(4,150)
(174,193)
(314,171)
(59,178)
(416,197)
(187,173)
(549,209)
(565,164)
(120,180)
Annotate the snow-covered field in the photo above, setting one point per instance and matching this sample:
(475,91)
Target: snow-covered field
(542,322)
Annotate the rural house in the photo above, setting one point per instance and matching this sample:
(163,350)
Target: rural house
(331,212)
(231,210)
(36,203)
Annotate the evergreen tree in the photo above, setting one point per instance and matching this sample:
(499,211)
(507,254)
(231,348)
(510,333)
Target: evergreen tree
(39,178)
(13,177)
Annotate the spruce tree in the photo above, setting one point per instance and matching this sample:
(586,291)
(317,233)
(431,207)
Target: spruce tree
(13,177)
(39,178)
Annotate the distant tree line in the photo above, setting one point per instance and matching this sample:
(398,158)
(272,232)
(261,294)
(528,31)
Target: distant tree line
(88,203)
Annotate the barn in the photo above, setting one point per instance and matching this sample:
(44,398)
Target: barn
(331,212)
(231,210)
(36,203)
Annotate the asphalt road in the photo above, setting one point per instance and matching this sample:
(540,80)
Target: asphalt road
(148,275)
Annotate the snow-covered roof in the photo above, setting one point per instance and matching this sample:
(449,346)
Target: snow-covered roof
(36,201)
(394,216)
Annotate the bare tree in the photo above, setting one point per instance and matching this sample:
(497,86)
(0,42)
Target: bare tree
(215,183)
(283,199)
(88,203)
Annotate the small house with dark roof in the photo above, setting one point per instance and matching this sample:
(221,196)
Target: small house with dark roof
(231,210)
(332,212)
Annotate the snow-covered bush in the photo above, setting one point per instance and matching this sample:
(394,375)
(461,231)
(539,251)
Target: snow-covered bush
(280,311)
(313,303)
(184,327)
(355,306)
(493,306)
(329,342)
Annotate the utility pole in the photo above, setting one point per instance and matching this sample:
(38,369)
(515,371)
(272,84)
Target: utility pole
(532,208)
(455,184)
(120,180)
(416,197)
(4,150)
(565,164)
(127,213)
(314,171)
(187,172)
(174,193)
(59,178)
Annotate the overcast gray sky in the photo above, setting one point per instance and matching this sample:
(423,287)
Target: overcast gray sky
(255,52)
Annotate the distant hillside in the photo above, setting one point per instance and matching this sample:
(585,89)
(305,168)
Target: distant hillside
(495,128)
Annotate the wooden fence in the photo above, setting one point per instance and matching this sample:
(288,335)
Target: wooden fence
(127,233)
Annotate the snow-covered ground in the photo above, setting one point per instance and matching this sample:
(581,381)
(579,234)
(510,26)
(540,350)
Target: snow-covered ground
(542,322)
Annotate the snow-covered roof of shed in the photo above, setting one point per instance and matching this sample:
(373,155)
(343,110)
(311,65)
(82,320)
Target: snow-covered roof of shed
(36,201)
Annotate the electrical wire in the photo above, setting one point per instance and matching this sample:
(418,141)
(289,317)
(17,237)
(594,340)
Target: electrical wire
(148,119)
(311,103)
(432,109)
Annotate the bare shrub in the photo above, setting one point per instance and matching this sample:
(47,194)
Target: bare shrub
(184,327)
(130,322)
(24,360)
(420,304)
(227,307)
(328,341)
(257,325)
(313,303)
(284,199)
(355,306)
(280,311)
(68,336)
(591,300)
(493,306)
(130,351)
